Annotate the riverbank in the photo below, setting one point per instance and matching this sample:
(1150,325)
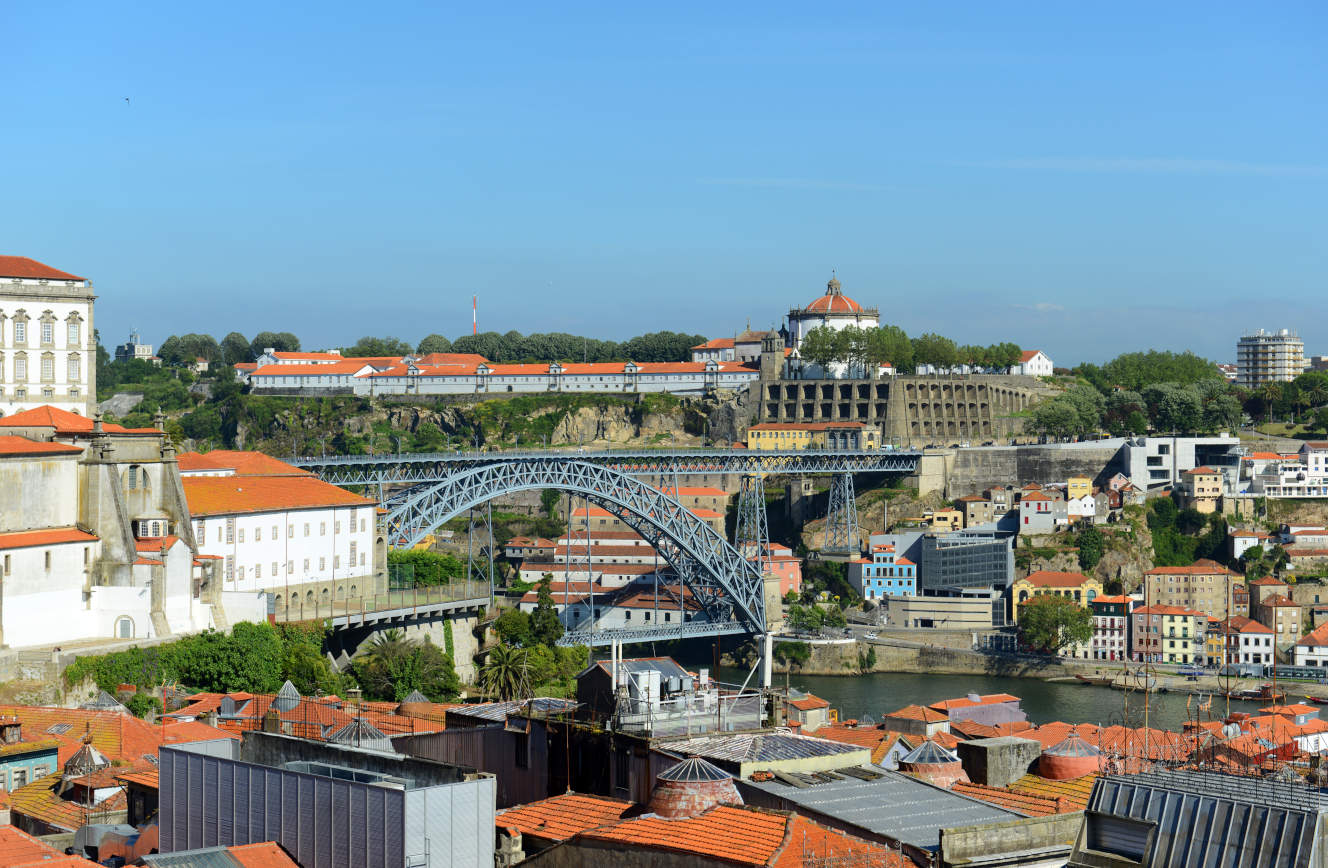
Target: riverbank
(838,658)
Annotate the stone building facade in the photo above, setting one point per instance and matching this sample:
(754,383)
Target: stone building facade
(48,351)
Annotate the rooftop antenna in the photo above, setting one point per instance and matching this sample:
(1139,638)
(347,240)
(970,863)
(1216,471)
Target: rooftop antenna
(474,315)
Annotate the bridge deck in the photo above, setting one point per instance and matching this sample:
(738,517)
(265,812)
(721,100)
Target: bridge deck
(390,606)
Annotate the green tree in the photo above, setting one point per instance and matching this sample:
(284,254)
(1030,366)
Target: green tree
(506,673)
(805,619)
(235,348)
(140,704)
(371,346)
(1321,421)
(282,342)
(513,628)
(1051,623)
(1090,544)
(545,628)
(936,350)
(392,667)
(427,568)
(822,346)
(434,344)
(834,617)
(890,344)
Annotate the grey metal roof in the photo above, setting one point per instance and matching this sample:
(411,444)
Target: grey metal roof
(758,746)
(103,701)
(498,711)
(415,697)
(667,667)
(1206,818)
(287,697)
(896,805)
(208,857)
(929,753)
(363,734)
(694,769)
(1073,745)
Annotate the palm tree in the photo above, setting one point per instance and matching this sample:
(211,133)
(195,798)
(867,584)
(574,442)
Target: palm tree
(1270,392)
(506,674)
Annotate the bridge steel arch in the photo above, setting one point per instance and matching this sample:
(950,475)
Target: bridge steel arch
(725,584)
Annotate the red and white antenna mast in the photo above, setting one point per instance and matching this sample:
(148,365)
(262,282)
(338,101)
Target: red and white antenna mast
(474,315)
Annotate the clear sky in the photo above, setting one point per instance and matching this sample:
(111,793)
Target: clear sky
(1083,178)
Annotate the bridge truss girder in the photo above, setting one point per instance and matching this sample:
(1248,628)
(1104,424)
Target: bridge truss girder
(724,584)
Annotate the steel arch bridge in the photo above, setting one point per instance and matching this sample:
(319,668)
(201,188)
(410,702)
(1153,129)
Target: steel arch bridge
(726,585)
(433,488)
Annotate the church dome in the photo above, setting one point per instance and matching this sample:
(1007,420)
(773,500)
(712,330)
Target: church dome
(834,301)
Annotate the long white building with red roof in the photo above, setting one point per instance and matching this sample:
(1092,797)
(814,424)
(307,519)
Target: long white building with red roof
(48,352)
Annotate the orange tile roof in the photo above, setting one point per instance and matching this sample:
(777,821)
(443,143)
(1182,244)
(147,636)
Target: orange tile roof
(56,536)
(31,269)
(121,737)
(1201,471)
(1241,624)
(1051,579)
(1317,636)
(267,854)
(1168,610)
(1268,581)
(227,495)
(64,422)
(741,836)
(1072,795)
(41,800)
(13,445)
(809,703)
(155,543)
(1110,599)
(1279,600)
(560,817)
(917,712)
(18,849)
(716,344)
(246,463)
(308,357)
(1028,804)
(965,702)
(348,367)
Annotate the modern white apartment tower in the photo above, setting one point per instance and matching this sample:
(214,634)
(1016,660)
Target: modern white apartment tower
(1269,357)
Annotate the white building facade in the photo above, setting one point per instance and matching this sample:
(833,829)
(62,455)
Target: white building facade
(1269,357)
(834,310)
(48,354)
(1034,363)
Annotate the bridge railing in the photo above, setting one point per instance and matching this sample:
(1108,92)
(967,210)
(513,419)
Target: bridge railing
(367,606)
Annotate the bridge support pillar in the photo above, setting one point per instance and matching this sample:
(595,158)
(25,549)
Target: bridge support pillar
(841,521)
(767,656)
(752,533)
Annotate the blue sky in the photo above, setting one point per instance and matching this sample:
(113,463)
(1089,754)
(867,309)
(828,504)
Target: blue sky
(1084,178)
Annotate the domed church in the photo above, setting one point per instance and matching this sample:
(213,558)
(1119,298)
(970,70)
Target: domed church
(832,310)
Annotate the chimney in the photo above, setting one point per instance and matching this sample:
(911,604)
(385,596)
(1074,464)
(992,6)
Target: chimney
(272,721)
(96,422)
(11,731)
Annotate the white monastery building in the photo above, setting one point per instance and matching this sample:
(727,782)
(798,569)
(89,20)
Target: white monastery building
(281,530)
(833,310)
(48,354)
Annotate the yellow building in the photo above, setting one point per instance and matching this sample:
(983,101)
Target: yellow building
(1077,487)
(946,519)
(790,436)
(1203,489)
(1074,586)
(1168,634)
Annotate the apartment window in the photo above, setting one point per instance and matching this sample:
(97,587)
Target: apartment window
(290,567)
(230,531)
(258,534)
(230,568)
(1316,599)
(258,571)
(75,370)
(306,528)
(47,367)
(20,368)
(352,554)
(275,570)
(361,558)
(322,563)
(73,334)
(276,531)
(322,528)
(290,531)
(20,778)
(241,535)
(48,560)
(239,573)
(306,565)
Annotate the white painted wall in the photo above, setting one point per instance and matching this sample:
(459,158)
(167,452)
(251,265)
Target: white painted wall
(27,486)
(305,545)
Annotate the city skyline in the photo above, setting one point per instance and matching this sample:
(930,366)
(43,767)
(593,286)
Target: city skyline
(1054,177)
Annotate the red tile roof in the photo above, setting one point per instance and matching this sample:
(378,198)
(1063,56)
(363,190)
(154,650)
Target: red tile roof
(1168,610)
(834,303)
(1317,636)
(716,344)
(917,712)
(268,854)
(1201,471)
(809,703)
(56,536)
(1240,624)
(13,445)
(1028,804)
(1268,581)
(965,702)
(229,495)
(1027,355)
(41,800)
(18,849)
(23,267)
(1279,600)
(560,817)
(1050,579)
(64,422)
(245,463)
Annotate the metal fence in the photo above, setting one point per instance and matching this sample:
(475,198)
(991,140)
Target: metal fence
(311,606)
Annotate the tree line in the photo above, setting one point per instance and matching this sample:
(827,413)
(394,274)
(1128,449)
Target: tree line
(866,348)
(661,346)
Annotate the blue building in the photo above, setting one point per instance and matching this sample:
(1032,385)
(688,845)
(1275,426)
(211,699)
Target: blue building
(885,574)
(23,761)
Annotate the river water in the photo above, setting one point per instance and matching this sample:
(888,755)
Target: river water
(880,692)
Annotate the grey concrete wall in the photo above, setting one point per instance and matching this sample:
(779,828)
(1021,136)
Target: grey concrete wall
(1036,835)
(998,762)
(972,471)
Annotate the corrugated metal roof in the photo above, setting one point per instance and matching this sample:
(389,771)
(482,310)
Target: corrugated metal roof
(892,804)
(759,747)
(694,769)
(210,857)
(1205,818)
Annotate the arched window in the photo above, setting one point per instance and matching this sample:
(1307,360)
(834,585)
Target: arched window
(124,627)
(136,477)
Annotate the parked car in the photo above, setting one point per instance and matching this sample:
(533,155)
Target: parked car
(870,636)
